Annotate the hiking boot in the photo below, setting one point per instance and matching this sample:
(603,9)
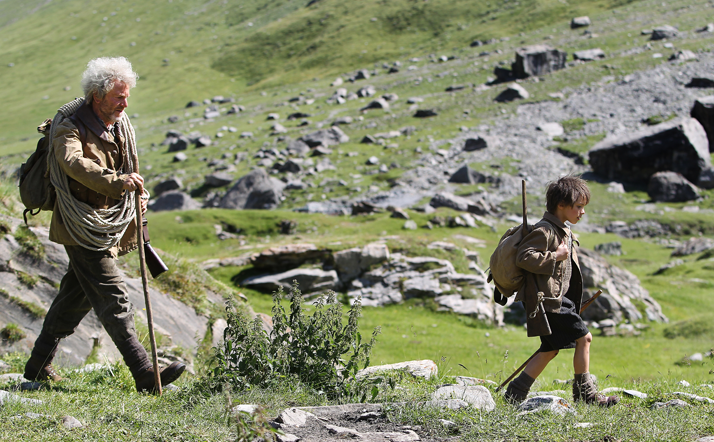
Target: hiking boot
(584,390)
(145,382)
(35,371)
(518,389)
(39,366)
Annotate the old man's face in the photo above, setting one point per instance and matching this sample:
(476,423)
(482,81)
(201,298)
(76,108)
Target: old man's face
(110,108)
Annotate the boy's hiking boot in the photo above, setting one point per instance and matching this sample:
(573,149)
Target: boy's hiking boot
(518,389)
(145,382)
(584,390)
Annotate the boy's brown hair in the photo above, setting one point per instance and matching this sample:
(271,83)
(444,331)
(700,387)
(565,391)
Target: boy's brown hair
(567,190)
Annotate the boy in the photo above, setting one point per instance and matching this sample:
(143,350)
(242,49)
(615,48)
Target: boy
(553,292)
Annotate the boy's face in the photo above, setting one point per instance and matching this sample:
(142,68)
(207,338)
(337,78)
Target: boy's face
(572,213)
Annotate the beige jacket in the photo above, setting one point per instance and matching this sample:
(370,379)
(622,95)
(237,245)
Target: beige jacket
(93,171)
(536,255)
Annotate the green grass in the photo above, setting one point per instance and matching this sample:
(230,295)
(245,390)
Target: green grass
(12,333)
(31,308)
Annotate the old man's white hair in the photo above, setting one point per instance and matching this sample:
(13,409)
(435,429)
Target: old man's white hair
(102,73)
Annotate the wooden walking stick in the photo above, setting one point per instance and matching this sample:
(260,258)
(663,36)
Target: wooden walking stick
(145,284)
(518,370)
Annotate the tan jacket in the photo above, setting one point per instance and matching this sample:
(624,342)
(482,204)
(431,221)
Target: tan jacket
(94,172)
(536,255)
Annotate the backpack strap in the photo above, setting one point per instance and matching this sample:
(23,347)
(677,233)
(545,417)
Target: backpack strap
(82,129)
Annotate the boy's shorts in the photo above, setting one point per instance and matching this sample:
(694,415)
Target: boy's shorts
(567,327)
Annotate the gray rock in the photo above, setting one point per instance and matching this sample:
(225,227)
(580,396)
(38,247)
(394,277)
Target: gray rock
(255,190)
(513,92)
(694,246)
(694,397)
(477,396)
(671,187)
(295,417)
(288,256)
(177,144)
(420,369)
(674,403)
(236,108)
(292,166)
(376,295)
(372,161)
(425,113)
(679,145)
(707,28)
(620,288)
(410,225)
(342,120)
(174,183)
(179,157)
(466,175)
(174,200)
(579,22)
(478,143)
(481,308)
(554,404)
(362,74)
(683,55)
(613,248)
(422,287)
(589,54)
(309,280)
(326,137)
(366,91)
(203,141)
(663,32)
(445,199)
(379,103)
(703,111)
(70,423)
(551,129)
(537,60)
(635,393)
(218,179)
(298,148)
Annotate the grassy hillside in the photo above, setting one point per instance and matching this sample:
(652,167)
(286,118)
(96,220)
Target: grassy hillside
(191,49)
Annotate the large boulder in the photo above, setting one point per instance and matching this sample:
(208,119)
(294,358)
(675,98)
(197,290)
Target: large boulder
(177,144)
(537,60)
(679,145)
(309,280)
(352,262)
(174,200)
(218,179)
(621,290)
(694,246)
(325,137)
(512,92)
(288,256)
(663,32)
(671,187)
(256,190)
(174,183)
(703,111)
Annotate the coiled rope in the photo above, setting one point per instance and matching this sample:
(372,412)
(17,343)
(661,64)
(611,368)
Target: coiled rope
(94,229)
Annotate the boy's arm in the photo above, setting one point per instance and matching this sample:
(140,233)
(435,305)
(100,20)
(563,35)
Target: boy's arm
(533,254)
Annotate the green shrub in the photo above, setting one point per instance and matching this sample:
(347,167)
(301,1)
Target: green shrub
(318,350)
(29,243)
(690,328)
(12,332)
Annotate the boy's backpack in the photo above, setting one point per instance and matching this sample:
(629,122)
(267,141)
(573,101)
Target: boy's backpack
(505,274)
(36,191)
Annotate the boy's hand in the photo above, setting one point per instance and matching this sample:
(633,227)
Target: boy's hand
(562,252)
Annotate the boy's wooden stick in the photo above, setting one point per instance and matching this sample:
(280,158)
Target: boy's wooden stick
(518,370)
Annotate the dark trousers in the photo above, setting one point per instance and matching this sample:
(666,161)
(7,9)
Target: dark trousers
(93,281)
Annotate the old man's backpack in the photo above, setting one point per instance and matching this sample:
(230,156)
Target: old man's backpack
(36,191)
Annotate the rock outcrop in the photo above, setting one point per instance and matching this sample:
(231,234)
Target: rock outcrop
(256,190)
(537,60)
(680,146)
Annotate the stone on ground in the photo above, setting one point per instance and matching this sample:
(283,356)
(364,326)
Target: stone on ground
(671,187)
(421,369)
(477,396)
(537,60)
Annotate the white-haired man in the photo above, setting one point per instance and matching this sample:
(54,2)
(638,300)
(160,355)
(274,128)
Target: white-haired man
(94,157)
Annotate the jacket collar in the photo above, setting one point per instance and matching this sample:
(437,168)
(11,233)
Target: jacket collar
(92,122)
(555,222)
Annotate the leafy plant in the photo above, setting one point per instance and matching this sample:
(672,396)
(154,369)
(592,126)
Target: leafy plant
(12,332)
(27,279)
(318,349)
(29,242)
